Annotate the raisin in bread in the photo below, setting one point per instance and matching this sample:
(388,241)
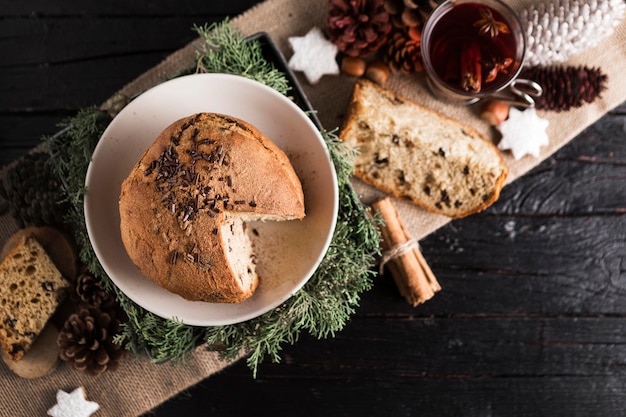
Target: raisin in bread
(30,291)
(417,154)
(186,205)
(40,359)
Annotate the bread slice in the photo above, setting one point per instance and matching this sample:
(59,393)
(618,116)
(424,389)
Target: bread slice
(57,244)
(40,359)
(31,288)
(417,154)
(185,206)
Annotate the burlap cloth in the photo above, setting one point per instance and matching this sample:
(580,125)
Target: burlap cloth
(139,385)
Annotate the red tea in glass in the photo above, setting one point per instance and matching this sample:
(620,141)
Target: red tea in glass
(472,48)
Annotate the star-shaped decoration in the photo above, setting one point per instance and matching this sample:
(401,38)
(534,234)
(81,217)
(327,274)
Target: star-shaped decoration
(314,55)
(73,404)
(524,132)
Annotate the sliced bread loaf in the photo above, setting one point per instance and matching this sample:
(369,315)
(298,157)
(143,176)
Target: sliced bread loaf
(31,288)
(417,154)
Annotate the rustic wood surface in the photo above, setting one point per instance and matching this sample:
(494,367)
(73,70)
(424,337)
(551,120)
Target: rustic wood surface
(531,320)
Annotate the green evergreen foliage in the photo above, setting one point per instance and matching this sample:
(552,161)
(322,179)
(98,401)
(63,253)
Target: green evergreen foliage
(321,308)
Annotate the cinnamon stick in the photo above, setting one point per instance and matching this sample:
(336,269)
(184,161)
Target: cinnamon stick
(411,273)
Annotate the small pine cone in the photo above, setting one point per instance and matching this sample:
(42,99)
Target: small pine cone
(358,27)
(33,193)
(566,87)
(409,13)
(86,342)
(90,291)
(403,53)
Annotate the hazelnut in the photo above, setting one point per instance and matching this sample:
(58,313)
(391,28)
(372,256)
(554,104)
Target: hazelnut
(494,112)
(411,17)
(353,67)
(378,72)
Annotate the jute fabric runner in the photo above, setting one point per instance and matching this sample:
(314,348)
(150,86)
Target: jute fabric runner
(139,385)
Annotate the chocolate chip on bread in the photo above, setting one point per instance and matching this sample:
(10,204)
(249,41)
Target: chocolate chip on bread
(185,207)
(31,288)
(417,154)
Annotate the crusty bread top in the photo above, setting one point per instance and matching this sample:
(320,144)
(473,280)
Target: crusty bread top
(414,153)
(199,171)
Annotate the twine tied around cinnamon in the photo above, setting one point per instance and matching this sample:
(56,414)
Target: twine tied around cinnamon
(401,254)
(397,251)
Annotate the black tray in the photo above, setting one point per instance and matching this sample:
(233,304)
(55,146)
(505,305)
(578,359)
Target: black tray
(271,52)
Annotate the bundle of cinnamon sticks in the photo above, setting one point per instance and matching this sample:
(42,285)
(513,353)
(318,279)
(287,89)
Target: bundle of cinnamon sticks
(402,256)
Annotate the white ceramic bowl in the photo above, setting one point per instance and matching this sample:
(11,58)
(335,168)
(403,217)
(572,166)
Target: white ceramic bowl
(290,252)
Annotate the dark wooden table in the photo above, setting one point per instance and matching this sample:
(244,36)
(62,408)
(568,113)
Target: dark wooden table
(532,317)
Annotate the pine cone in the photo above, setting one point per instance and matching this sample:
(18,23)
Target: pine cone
(409,13)
(358,27)
(90,291)
(5,207)
(33,193)
(566,87)
(403,53)
(559,29)
(86,342)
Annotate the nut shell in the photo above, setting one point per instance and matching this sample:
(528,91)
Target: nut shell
(494,112)
(353,67)
(378,72)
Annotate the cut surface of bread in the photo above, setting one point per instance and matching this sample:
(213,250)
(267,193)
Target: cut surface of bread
(57,244)
(417,154)
(31,289)
(40,359)
(184,207)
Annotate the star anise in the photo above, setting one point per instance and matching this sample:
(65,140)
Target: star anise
(489,25)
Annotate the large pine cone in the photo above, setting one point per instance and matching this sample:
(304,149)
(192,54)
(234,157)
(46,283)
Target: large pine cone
(559,29)
(33,193)
(358,27)
(86,342)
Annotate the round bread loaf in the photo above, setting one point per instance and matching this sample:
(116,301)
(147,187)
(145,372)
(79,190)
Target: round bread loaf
(184,207)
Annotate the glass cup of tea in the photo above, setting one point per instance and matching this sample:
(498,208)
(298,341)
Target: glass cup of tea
(474,49)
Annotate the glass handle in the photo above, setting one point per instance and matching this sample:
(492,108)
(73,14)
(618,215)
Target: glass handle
(523,93)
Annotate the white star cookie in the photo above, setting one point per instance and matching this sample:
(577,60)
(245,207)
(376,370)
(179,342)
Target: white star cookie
(524,132)
(314,55)
(74,404)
